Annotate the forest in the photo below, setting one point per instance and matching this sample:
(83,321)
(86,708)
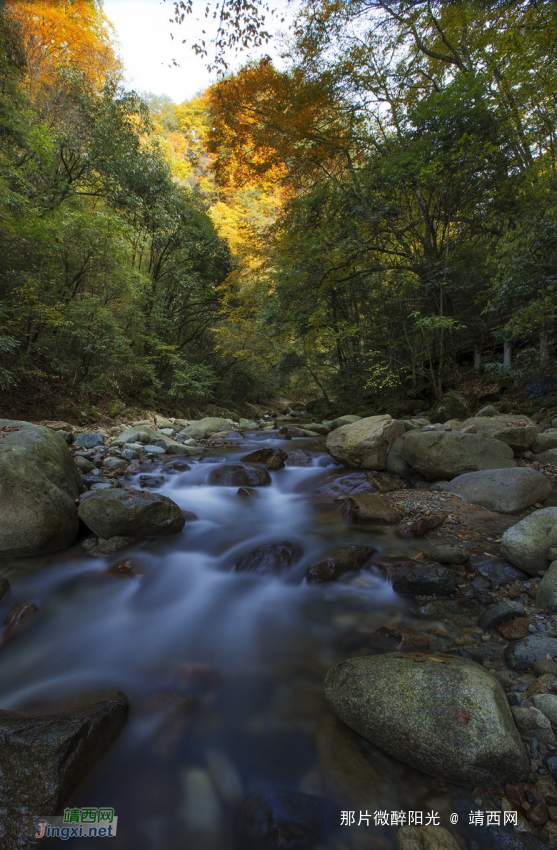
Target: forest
(368,223)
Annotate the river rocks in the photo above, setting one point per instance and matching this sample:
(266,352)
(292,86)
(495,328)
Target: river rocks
(503,490)
(39,483)
(425,838)
(450,407)
(546,703)
(499,613)
(518,432)
(131,513)
(248,425)
(341,484)
(446,454)
(343,560)
(284,819)
(546,594)
(104,548)
(200,429)
(298,458)
(401,639)
(531,721)
(444,715)
(341,421)
(236,475)
(43,758)
(422,526)
(522,654)
(366,443)
(369,509)
(525,544)
(270,559)
(89,440)
(545,442)
(429,580)
(445,553)
(147,437)
(272,458)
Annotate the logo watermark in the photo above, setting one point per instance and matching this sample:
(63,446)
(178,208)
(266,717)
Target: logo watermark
(79,823)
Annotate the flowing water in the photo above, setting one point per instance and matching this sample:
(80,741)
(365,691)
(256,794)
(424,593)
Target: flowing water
(223,670)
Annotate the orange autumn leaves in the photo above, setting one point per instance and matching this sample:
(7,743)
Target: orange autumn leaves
(60,34)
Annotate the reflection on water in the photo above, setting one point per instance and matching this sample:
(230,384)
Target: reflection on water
(223,670)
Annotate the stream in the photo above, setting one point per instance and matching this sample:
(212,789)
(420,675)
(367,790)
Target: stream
(223,669)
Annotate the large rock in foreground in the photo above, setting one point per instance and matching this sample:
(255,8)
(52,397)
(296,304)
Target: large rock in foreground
(446,454)
(526,544)
(39,483)
(365,444)
(131,513)
(504,490)
(446,716)
(43,759)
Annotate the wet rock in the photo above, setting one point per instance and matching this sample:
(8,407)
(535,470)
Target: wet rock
(445,455)
(123,569)
(236,475)
(443,715)
(422,526)
(547,704)
(369,509)
(514,629)
(531,721)
(151,481)
(499,613)
(131,513)
(546,594)
(284,820)
(20,618)
(445,553)
(39,483)
(298,458)
(497,570)
(525,544)
(114,463)
(504,490)
(43,758)
(270,559)
(156,451)
(89,440)
(520,656)
(425,838)
(272,458)
(400,639)
(83,464)
(518,432)
(246,492)
(106,547)
(429,580)
(342,560)
(339,485)
(366,443)
(174,467)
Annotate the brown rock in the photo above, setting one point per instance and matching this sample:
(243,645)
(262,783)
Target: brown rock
(422,526)
(369,509)
(20,618)
(538,814)
(400,639)
(125,569)
(272,458)
(514,629)
(342,560)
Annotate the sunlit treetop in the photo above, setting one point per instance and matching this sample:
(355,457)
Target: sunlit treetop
(58,34)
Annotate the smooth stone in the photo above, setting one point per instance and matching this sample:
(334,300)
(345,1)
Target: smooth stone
(298,458)
(200,429)
(89,441)
(146,435)
(154,450)
(503,490)
(270,559)
(343,560)
(366,443)
(111,546)
(369,508)
(114,463)
(546,594)
(444,715)
(237,475)
(518,432)
(83,464)
(531,721)
(526,544)
(521,654)
(545,441)
(446,553)
(446,454)
(546,703)
(499,613)
(271,458)
(131,513)
(429,580)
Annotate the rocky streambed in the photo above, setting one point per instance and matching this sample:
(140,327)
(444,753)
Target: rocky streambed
(281,634)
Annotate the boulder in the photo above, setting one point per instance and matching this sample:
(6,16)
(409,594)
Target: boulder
(342,560)
(549,456)
(546,594)
(148,436)
(450,407)
(521,655)
(369,509)
(272,458)
(200,429)
(298,458)
(500,612)
(518,432)
(526,544)
(503,490)
(237,475)
(446,553)
(366,443)
(340,421)
(531,721)
(395,459)
(270,559)
(43,757)
(131,513)
(545,441)
(446,454)
(39,483)
(443,715)
(248,425)
(89,440)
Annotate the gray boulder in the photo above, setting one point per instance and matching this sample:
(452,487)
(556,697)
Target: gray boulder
(200,429)
(131,513)
(503,490)
(43,758)
(365,444)
(446,454)
(248,425)
(39,483)
(545,441)
(518,432)
(446,716)
(521,655)
(546,594)
(450,407)
(526,544)
(548,456)
(89,440)
(340,421)
(147,436)
(395,459)
(488,410)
